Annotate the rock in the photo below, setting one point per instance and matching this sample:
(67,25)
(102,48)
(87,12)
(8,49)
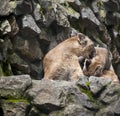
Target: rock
(57,98)
(112,109)
(6,49)
(112,5)
(34,112)
(14,86)
(15,107)
(19,66)
(63,33)
(36,70)
(1,71)
(111,94)
(51,97)
(73,110)
(37,9)
(95,6)
(55,15)
(117,68)
(44,41)
(89,17)
(117,107)
(5,27)
(98,84)
(83,82)
(14,26)
(28,23)
(7,7)
(28,47)
(59,13)
(77,110)
(23,7)
(106,112)
(76,4)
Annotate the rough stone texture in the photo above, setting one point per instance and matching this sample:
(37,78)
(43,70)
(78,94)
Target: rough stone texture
(6,7)
(111,94)
(98,84)
(5,27)
(50,97)
(28,22)
(83,82)
(14,86)
(15,107)
(20,97)
(23,7)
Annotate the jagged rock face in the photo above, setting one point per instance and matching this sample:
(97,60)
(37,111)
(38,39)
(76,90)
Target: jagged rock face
(29,29)
(20,97)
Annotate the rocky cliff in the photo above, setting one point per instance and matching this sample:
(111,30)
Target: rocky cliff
(94,96)
(28,30)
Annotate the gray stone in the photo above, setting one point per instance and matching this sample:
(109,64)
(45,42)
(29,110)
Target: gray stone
(98,83)
(15,107)
(73,110)
(19,66)
(23,7)
(29,22)
(6,49)
(28,46)
(36,70)
(45,39)
(50,95)
(5,27)
(87,14)
(38,15)
(34,112)
(95,6)
(14,26)
(59,15)
(77,110)
(112,5)
(14,86)
(83,82)
(1,71)
(108,111)
(85,99)
(117,107)
(7,7)
(111,94)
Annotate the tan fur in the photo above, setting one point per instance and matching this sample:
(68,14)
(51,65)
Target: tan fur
(62,63)
(100,65)
(110,74)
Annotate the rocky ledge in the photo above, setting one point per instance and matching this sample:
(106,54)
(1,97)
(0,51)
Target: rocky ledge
(93,96)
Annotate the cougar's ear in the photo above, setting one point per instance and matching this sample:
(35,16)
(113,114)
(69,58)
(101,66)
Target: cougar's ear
(81,39)
(74,33)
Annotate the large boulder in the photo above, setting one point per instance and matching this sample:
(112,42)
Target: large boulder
(7,7)
(58,98)
(14,86)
